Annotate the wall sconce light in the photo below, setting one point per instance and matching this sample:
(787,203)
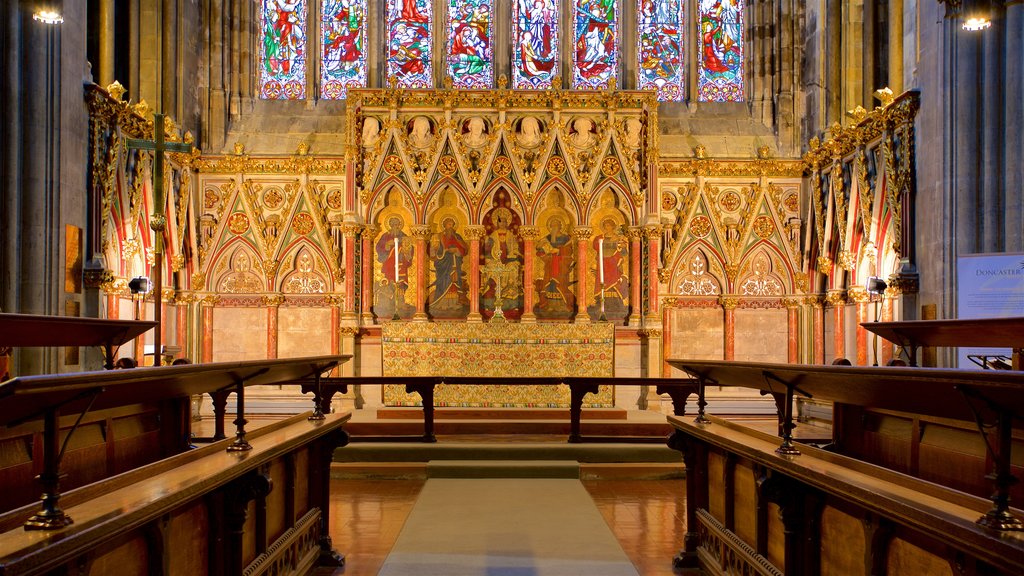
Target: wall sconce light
(976,15)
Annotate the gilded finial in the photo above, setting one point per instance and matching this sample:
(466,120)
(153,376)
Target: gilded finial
(556,82)
(858,114)
(502,82)
(885,96)
(239,148)
(815,143)
(836,129)
(188,138)
(700,152)
(142,108)
(392,82)
(303,149)
(611,84)
(448,83)
(116,90)
(764,152)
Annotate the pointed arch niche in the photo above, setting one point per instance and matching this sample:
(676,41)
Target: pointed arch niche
(761,319)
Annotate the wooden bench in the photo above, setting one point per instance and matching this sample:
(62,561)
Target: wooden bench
(838,514)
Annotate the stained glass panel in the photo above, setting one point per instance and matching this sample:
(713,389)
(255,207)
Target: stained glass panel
(720,56)
(408,23)
(343,35)
(595,52)
(660,29)
(470,43)
(535,50)
(283,50)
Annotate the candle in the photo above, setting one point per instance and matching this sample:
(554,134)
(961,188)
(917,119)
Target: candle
(600,259)
(396,260)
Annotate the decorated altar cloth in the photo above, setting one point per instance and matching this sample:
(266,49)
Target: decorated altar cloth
(493,350)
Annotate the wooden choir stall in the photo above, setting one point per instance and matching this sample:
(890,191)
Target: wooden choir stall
(123,492)
(767,505)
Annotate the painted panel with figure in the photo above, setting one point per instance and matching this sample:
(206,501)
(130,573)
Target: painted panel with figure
(409,52)
(660,31)
(283,50)
(343,29)
(595,52)
(555,261)
(720,51)
(394,265)
(501,262)
(448,262)
(535,43)
(609,271)
(470,43)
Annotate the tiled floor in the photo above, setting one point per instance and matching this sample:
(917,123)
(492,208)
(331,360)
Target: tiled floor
(647,517)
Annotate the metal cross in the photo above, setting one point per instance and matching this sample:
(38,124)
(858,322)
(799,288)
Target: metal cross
(158,221)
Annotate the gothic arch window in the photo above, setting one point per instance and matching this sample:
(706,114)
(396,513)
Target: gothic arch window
(409,40)
(720,51)
(660,48)
(471,43)
(343,37)
(283,49)
(595,53)
(535,43)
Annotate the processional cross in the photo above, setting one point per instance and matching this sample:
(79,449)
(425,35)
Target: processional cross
(157,220)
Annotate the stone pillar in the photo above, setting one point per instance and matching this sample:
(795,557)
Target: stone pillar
(793,329)
(1013,137)
(207,330)
(350,235)
(817,328)
(650,349)
(421,233)
(168,58)
(529,234)
(860,296)
(729,304)
(474,234)
(653,234)
(895,47)
(635,279)
(369,233)
(107,30)
(139,344)
(181,326)
(837,300)
(272,302)
(582,235)
(886,346)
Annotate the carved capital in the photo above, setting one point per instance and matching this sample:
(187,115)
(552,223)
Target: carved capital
(351,229)
(835,298)
(198,280)
(653,231)
(729,302)
(814,301)
(421,232)
(273,299)
(825,265)
(847,260)
(348,330)
(634,232)
(858,294)
(529,232)
(209,299)
(791,302)
(335,299)
(475,232)
(903,284)
(270,267)
(649,333)
(582,233)
(664,275)
(371,231)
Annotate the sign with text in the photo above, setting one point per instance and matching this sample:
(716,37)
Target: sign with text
(989,286)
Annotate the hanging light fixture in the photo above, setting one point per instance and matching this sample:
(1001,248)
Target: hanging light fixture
(976,15)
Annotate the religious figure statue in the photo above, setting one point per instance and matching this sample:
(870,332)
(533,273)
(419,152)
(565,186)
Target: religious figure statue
(476,135)
(632,136)
(448,249)
(529,135)
(583,136)
(371,131)
(555,251)
(421,135)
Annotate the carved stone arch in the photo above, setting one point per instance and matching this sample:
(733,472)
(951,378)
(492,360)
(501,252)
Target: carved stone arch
(236,270)
(758,274)
(608,190)
(304,271)
(490,199)
(443,186)
(391,198)
(566,188)
(693,273)
(552,198)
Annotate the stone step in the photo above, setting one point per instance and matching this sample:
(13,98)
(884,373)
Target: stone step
(503,469)
(522,451)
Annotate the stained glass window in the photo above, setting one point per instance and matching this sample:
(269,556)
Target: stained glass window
(535,50)
(408,23)
(283,53)
(343,35)
(595,53)
(470,43)
(720,55)
(661,67)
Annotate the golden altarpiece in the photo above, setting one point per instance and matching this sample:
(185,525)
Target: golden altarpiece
(507,232)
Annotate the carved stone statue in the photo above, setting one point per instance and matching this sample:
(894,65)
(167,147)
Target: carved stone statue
(583,137)
(476,136)
(632,136)
(371,131)
(421,136)
(529,135)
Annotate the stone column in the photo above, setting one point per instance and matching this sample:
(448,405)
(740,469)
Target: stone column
(860,296)
(895,46)
(793,329)
(207,327)
(350,234)
(837,300)
(474,234)
(181,325)
(272,302)
(729,304)
(105,68)
(653,234)
(582,235)
(529,234)
(650,350)
(421,233)
(886,346)
(369,233)
(168,58)
(817,328)
(635,279)
(139,344)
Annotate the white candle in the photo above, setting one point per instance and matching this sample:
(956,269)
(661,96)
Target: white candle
(600,259)
(396,260)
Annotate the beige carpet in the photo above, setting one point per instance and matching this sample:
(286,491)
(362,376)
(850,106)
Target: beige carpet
(506,527)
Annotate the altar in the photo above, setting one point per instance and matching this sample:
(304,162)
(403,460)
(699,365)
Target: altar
(498,349)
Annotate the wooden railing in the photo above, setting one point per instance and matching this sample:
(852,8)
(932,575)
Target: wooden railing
(762,504)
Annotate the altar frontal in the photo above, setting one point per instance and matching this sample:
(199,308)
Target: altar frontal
(491,350)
